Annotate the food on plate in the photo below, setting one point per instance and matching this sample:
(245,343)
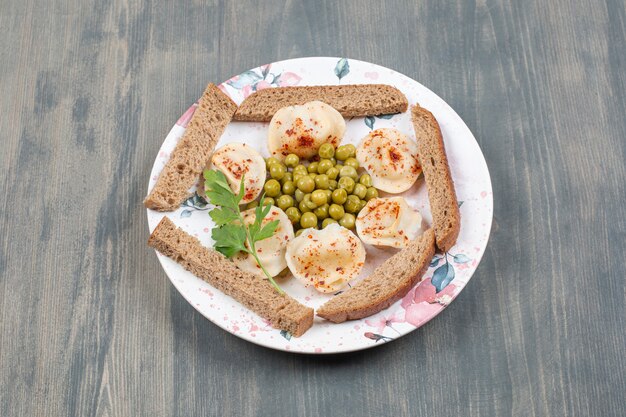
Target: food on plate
(254,292)
(390,157)
(388,222)
(349,100)
(441,194)
(235,233)
(389,282)
(237,161)
(302,129)
(214,111)
(329,187)
(271,250)
(327,259)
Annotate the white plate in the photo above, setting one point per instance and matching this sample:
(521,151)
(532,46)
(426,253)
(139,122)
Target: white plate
(443,281)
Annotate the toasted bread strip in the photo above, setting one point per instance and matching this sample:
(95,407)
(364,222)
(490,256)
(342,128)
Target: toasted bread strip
(189,158)
(253,292)
(349,100)
(432,156)
(387,284)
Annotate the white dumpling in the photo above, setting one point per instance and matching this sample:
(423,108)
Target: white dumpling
(390,157)
(327,259)
(388,222)
(271,251)
(303,129)
(236,160)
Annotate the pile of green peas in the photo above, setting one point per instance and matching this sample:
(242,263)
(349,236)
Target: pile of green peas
(327,190)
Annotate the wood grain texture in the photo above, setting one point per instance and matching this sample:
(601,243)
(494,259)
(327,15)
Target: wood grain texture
(89,324)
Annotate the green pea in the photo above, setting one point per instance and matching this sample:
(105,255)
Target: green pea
(284,202)
(300,170)
(360,190)
(319,197)
(333,173)
(327,150)
(371,193)
(269,201)
(321,182)
(329,195)
(312,167)
(289,188)
(303,207)
(339,196)
(352,204)
(347,184)
(305,184)
(351,162)
(324,165)
(348,171)
(328,221)
(308,220)
(299,232)
(272,188)
(347,221)
(252,204)
(292,160)
(308,202)
(287,177)
(299,194)
(277,171)
(321,212)
(270,161)
(312,175)
(293,214)
(351,149)
(333,160)
(366,180)
(332,185)
(362,203)
(342,153)
(336,211)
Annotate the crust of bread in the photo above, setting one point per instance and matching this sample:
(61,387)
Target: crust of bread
(254,292)
(434,161)
(214,112)
(376,292)
(349,100)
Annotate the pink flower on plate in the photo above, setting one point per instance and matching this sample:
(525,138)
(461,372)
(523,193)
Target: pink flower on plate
(417,314)
(186,117)
(385,321)
(262,85)
(246,91)
(288,79)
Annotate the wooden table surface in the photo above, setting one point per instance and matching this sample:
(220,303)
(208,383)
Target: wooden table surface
(91,326)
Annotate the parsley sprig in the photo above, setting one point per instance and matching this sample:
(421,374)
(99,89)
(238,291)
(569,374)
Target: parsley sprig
(231,233)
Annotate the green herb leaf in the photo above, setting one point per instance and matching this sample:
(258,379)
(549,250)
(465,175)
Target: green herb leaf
(231,233)
(230,239)
(222,216)
(267,230)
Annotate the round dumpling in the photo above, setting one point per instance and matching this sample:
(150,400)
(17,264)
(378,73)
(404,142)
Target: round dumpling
(303,129)
(236,160)
(388,222)
(271,251)
(327,259)
(390,157)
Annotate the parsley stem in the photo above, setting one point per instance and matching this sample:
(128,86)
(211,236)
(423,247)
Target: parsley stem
(256,257)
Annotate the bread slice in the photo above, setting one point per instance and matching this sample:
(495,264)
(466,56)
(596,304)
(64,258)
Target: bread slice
(432,156)
(214,112)
(349,100)
(254,292)
(387,284)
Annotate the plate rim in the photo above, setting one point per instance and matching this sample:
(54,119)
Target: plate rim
(261,342)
